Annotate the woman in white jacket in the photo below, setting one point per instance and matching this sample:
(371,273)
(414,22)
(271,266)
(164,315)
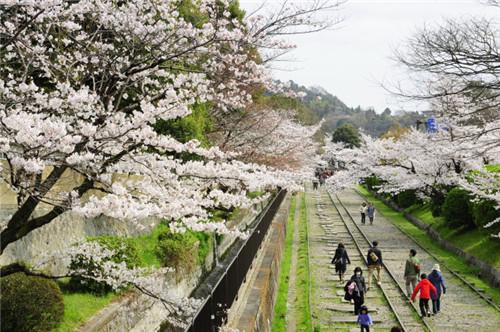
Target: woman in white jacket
(362,209)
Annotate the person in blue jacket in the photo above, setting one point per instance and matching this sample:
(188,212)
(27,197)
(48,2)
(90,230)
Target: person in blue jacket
(437,279)
(364,319)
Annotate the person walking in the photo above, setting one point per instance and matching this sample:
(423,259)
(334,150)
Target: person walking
(412,270)
(425,287)
(315,183)
(362,210)
(341,259)
(370,212)
(437,280)
(357,287)
(374,262)
(364,319)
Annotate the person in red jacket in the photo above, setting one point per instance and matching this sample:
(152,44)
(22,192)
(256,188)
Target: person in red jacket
(425,287)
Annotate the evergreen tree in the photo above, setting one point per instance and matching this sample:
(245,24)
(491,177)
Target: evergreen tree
(347,134)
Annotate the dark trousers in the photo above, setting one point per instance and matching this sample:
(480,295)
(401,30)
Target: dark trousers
(363,218)
(371,220)
(436,305)
(424,306)
(358,302)
(365,328)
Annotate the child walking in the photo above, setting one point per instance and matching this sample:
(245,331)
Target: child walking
(425,287)
(364,319)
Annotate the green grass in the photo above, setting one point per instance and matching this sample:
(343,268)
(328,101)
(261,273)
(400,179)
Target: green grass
(146,245)
(79,307)
(476,242)
(303,308)
(455,263)
(280,308)
(493,168)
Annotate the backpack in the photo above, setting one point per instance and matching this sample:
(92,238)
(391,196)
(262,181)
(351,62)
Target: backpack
(417,268)
(373,257)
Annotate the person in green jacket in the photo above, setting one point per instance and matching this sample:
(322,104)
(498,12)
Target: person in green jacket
(412,271)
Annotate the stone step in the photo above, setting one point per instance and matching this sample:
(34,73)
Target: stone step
(352,319)
(346,308)
(367,295)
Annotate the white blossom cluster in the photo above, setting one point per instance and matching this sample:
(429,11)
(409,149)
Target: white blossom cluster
(148,281)
(418,161)
(275,138)
(83,82)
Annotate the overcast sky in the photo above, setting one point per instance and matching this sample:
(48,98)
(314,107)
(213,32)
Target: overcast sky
(352,60)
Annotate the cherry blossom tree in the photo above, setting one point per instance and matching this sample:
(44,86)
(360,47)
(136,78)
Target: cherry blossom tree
(82,84)
(270,137)
(456,67)
(426,163)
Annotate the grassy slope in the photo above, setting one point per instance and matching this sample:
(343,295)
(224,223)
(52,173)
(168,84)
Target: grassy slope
(477,242)
(455,263)
(280,308)
(78,307)
(303,309)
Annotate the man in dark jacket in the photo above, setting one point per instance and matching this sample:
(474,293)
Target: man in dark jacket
(374,262)
(341,259)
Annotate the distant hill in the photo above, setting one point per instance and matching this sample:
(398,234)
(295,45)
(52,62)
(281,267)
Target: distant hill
(322,104)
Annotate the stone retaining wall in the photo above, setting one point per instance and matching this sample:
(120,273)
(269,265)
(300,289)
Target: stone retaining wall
(254,309)
(140,313)
(486,271)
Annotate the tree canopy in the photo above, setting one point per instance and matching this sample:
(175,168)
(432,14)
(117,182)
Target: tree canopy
(348,135)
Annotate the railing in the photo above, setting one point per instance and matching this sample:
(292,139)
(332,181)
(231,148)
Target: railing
(213,312)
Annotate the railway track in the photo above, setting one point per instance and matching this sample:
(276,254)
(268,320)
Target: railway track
(443,265)
(405,312)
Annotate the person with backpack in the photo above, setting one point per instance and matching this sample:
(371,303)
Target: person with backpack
(356,289)
(341,259)
(362,210)
(364,319)
(437,279)
(412,271)
(374,262)
(370,212)
(425,287)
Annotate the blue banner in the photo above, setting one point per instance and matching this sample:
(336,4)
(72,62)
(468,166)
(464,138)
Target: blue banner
(432,126)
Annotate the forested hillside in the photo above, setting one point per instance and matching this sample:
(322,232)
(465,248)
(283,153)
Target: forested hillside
(320,104)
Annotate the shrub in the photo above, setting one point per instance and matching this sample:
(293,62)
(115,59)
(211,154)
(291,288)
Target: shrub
(484,212)
(205,245)
(457,208)
(436,203)
(372,182)
(125,251)
(30,303)
(406,198)
(178,250)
